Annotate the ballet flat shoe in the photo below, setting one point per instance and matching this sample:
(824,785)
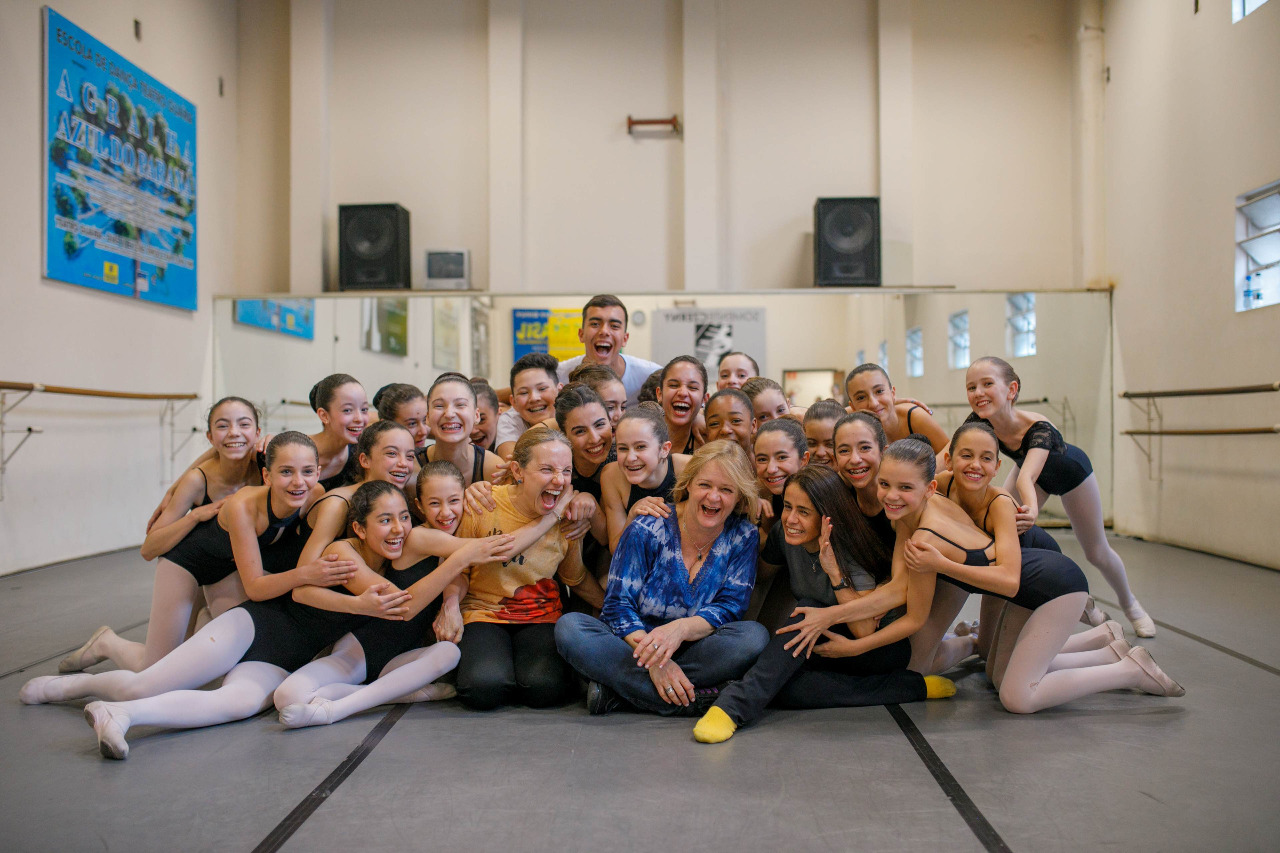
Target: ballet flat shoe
(317,712)
(1143,625)
(966,629)
(33,692)
(1116,629)
(80,659)
(1093,615)
(1121,647)
(111,742)
(1168,687)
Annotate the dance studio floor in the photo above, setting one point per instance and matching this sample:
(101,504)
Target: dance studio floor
(1118,771)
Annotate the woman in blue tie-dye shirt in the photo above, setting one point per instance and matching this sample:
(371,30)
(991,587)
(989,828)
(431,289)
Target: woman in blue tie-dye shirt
(672,627)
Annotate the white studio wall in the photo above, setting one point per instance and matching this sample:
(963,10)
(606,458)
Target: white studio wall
(1186,134)
(90,481)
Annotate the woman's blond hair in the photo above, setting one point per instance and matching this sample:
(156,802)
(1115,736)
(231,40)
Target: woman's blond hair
(736,467)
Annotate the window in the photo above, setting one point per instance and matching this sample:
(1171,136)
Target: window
(1257,278)
(862,356)
(1020,324)
(915,352)
(1240,8)
(883,358)
(958,340)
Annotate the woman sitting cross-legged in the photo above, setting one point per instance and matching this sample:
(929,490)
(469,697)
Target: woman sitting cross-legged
(671,630)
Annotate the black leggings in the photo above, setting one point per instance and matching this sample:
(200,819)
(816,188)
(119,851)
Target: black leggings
(878,677)
(505,664)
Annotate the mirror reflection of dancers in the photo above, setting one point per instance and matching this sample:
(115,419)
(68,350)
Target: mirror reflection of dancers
(1046,465)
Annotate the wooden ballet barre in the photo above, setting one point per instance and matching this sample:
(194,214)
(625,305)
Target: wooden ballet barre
(30,387)
(673,123)
(285,402)
(1265,430)
(1202,392)
(966,405)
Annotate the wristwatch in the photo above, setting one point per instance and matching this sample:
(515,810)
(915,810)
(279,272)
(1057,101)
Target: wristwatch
(844,584)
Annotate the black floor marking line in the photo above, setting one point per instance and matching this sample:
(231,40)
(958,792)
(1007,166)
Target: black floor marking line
(982,828)
(66,652)
(294,820)
(1210,643)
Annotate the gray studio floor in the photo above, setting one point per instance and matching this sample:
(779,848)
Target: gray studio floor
(1119,770)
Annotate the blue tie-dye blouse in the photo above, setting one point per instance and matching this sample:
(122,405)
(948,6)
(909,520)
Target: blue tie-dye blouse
(649,584)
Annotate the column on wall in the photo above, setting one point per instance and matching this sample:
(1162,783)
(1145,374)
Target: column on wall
(703,189)
(895,95)
(506,145)
(310,66)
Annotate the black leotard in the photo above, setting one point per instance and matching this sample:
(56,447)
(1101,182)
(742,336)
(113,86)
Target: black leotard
(909,411)
(1032,537)
(1046,575)
(663,491)
(204,477)
(591,485)
(1067,466)
(383,639)
(775,502)
(288,634)
(206,551)
(477,460)
(349,474)
(689,446)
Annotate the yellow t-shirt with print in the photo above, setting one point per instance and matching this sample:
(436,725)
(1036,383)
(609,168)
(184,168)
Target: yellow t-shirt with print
(523,589)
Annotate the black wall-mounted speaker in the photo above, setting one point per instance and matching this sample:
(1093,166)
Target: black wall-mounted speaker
(373,247)
(846,242)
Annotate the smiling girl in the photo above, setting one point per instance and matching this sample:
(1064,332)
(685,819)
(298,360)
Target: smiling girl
(404,404)
(197,498)
(509,608)
(682,390)
(642,479)
(1044,464)
(451,412)
(870,390)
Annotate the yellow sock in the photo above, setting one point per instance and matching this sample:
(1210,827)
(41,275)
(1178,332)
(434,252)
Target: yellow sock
(937,687)
(716,727)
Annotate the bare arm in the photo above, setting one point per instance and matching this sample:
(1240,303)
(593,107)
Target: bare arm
(179,516)
(919,601)
(577,578)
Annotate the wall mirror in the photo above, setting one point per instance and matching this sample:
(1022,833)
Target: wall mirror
(1059,342)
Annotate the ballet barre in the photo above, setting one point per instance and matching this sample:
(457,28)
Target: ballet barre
(673,123)
(173,403)
(1202,392)
(269,409)
(1155,419)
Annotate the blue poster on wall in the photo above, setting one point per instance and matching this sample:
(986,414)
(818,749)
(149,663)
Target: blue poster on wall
(294,317)
(528,330)
(120,173)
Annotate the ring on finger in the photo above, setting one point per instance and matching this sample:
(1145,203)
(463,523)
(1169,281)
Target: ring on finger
(671,690)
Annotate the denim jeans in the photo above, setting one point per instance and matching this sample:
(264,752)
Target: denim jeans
(602,656)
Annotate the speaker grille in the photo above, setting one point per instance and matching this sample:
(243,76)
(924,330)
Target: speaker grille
(846,245)
(373,247)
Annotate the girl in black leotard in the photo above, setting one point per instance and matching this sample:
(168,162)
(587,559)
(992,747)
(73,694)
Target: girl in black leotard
(870,390)
(451,411)
(973,461)
(340,403)
(385,452)
(406,405)
(196,499)
(937,540)
(1047,465)
(253,645)
(682,390)
(581,416)
(387,659)
(640,482)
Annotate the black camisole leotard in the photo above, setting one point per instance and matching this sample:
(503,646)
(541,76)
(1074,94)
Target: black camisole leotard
(1046,575)
(1067,466)
(206,551)
(662,491)
(383,639)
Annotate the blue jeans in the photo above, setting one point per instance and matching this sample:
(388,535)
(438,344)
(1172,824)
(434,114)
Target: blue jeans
(602,656)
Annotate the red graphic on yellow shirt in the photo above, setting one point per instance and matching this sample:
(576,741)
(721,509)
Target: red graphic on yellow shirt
(539,602)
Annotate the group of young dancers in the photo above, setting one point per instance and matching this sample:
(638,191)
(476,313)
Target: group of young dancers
(614,523)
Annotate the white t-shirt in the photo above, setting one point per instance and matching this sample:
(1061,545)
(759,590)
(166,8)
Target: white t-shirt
(633,377)
(510,427)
